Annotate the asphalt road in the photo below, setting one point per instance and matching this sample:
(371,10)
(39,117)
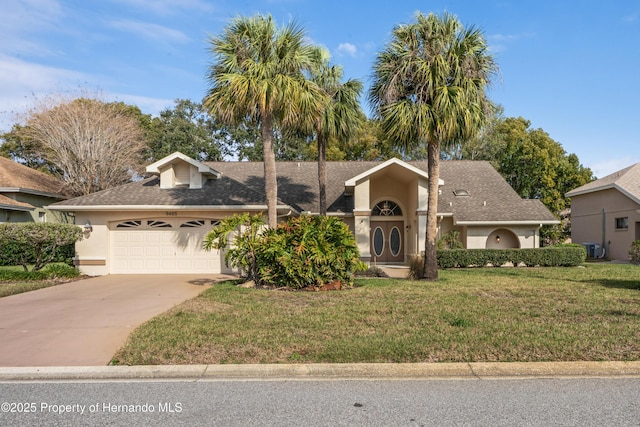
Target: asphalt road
(468,402)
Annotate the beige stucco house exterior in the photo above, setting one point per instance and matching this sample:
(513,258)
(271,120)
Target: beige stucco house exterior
(605,214)
(156,225)
(25,194)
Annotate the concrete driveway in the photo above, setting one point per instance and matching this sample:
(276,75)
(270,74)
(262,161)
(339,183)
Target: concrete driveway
(84,323)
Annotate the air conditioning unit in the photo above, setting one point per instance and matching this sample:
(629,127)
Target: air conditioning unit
(593,249)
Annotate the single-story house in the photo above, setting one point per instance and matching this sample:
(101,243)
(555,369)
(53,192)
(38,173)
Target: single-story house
(156,225)
(605,214)
(26,193)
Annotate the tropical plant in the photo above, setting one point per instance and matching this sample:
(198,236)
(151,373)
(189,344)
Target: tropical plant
(260,73)
(38,243)
(450,240)
(308,251)
(239,237)
(340,118)
(429,88)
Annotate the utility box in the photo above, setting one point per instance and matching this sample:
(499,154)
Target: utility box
(593,249)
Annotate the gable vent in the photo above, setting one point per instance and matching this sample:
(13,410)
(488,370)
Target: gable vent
(181,171)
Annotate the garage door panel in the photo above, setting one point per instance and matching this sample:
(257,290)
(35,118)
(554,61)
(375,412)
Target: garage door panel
(169,249)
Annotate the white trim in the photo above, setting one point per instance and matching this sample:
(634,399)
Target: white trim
(393,161)
(612,186)
(168,208)
(154,168)
(508,223)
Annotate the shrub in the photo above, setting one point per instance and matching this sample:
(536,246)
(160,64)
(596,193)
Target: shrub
(416,267)
(240,253)
(37,244)
(308,251)
(634,252)
(51,271)
(552,256)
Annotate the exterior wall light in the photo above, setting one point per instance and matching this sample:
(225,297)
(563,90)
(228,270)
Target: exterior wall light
(497,239)
(88,228)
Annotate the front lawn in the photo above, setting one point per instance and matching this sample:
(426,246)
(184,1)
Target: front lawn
(489,314)
(14,280)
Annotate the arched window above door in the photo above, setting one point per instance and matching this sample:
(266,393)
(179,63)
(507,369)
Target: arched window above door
(386,208)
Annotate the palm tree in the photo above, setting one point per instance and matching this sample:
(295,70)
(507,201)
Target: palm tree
(259,73)
(340,118)
(429,88)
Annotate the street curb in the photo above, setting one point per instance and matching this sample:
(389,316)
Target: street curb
(357,371)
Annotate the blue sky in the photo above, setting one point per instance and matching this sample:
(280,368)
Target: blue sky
(570,67)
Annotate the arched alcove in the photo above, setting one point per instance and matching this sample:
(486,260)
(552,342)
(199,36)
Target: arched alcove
(502,238)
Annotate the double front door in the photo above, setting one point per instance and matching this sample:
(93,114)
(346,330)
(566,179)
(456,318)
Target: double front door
(387,243)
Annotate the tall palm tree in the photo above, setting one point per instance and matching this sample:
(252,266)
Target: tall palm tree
(260,72)
(341,117)
(429,88)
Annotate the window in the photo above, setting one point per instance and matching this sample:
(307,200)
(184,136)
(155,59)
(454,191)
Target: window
(386,208)
(622,223)
(42,216)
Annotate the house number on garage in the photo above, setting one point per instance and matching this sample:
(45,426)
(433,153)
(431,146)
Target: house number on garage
(171,213)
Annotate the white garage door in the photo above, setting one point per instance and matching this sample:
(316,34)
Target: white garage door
(150,246)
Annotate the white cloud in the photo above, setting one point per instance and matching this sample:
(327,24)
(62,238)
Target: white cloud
(348,49)
(24,81)
(146,104)
(22,18)
(150,31)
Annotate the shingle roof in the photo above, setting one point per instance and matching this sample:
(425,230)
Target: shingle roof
(224,192)
(626,180)
(16,176)
(490,197)
(8,202)
(242,183)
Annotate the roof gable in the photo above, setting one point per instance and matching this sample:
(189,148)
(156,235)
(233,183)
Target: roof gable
(393,161)
(626,180)
(155,168)
(178,170)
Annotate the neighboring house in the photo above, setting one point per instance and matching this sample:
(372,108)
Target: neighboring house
(605,214)
(156,225)
(26,193)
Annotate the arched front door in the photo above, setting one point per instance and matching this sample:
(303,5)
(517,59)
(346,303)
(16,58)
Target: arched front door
(387,238)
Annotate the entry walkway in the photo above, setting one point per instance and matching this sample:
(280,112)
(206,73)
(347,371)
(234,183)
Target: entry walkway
(85,322)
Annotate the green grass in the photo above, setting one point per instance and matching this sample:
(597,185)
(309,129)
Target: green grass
(14,280)
(491,314)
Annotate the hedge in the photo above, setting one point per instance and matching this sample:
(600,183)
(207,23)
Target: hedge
(552,256)
(10,254)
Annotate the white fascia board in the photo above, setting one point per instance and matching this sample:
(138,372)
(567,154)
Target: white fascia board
(506,223)
(112,208)
(577,192)
(614,186)
(353,181)
(154,168)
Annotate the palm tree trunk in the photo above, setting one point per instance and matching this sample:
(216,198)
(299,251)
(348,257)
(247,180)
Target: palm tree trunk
(270,178)
(433,169)
(322,173)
